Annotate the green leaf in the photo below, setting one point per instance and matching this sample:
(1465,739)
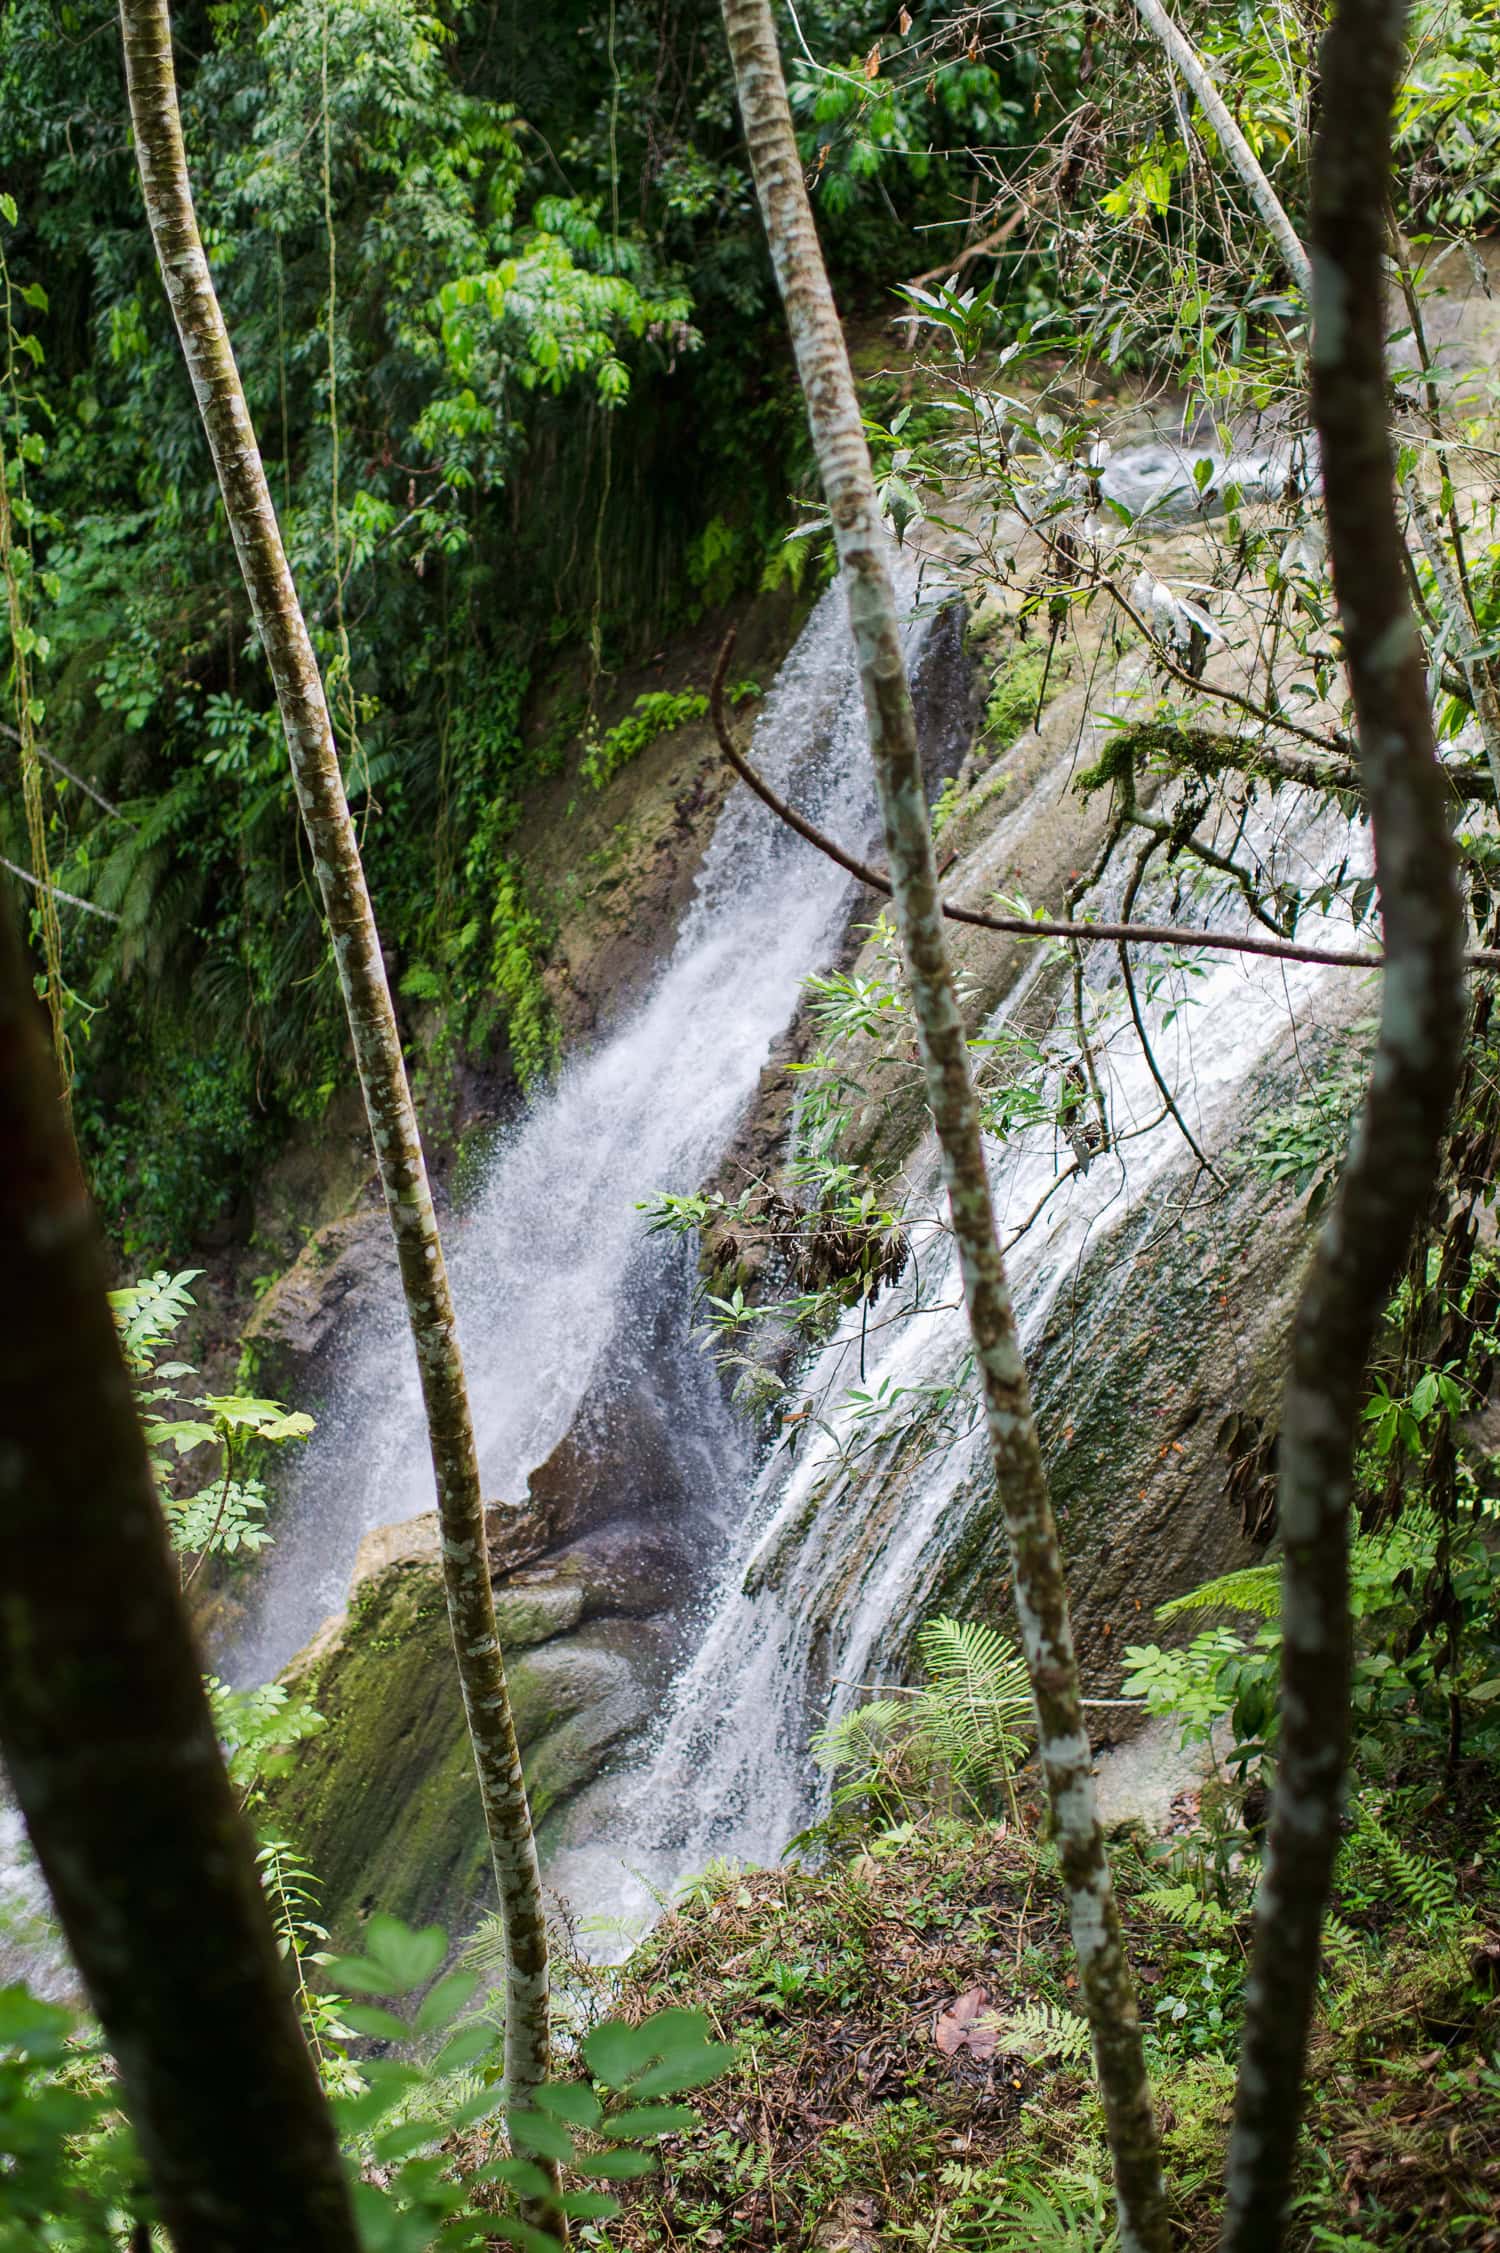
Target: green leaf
(534,2129)
(369,2018)
(571,2100)
(652,2120)
(523,2176)
(689,2069)
(467,2046)
(8,209)
(445,1999)
(590,2206)
(615,2053)
(33,294)
(409,2136)
(618,2166)
(398,1959)
(521,2233)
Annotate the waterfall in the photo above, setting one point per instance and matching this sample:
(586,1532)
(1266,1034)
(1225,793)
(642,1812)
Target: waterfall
(836,1563)
(558,1286)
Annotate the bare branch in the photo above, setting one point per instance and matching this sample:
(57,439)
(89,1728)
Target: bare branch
(1040,926)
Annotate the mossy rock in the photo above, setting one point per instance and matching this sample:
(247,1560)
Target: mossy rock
(384,1803)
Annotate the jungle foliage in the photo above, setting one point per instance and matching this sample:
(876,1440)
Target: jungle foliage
(503,312)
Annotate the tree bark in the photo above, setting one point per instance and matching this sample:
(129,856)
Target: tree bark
(107,1735)
(372,1024)
(1020,1479)
(1393,1163)
(1185,58)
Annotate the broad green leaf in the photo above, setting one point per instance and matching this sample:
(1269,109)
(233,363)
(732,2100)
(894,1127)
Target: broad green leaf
(615,2053)
(445,1999)
(409,2136)
(571,2100)
(467,2046)
(535,2130)
(402,1955)
(590,2206)
(523,2176)
(619,2166)
(8,209)
(369,2018)
(521,2233)
(688,2069)
(652,2120)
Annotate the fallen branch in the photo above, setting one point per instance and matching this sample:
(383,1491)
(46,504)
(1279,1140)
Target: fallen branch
(953,267)
(1038,926)
(1186,59)
(57,892)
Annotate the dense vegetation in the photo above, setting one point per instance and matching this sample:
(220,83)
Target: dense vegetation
(503,308)
(508,333)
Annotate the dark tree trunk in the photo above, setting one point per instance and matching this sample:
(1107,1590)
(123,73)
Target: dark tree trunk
(1392,1166)
(106,1732)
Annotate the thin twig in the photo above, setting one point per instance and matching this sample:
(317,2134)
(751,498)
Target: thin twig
(1039,926)
(78,781)
(1170,1100)
(89,906)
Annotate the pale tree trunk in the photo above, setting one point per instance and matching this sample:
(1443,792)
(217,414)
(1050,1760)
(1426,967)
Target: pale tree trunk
(372,1024)
(1190,65)
(1020,1479)
(107,1735)
(1393,1163)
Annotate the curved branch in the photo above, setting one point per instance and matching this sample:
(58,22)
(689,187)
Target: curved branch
(1388,1180)
(1039,926)
(1133,886)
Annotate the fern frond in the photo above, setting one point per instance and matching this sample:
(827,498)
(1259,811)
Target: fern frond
(1425,1888)
(860,1739)
(1041,2029)
(1184,1905)
(978,1698)
(148,1311)
(1256,1589)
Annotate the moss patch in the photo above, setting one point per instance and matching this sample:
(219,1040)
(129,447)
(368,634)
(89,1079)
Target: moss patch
(384,1803)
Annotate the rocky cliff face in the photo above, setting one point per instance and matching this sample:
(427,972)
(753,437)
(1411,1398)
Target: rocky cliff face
(1154,1296)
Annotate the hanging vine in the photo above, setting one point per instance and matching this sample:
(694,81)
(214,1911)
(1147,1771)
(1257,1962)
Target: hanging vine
(26,643)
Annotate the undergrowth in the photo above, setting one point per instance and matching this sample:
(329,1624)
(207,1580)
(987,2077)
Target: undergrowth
(912,2066)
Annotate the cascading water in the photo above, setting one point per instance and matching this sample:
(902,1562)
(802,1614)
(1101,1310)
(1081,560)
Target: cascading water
(558,1287)
(561,1293)
(843,1544)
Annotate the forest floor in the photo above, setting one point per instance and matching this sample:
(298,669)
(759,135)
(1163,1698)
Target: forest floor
(912,2069)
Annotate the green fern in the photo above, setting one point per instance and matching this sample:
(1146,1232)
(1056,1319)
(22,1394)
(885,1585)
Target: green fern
(1030,2222)
(1041,2029)
(1256,1589)
(1183,1905)
(977,1701)
(148,1311)
(861,1740)
(1427,1890)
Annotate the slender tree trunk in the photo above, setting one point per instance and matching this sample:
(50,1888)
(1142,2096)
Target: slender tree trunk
(1020,1478)
(1186,59)
(372,1023)
(1393,1163)
(107,1735)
